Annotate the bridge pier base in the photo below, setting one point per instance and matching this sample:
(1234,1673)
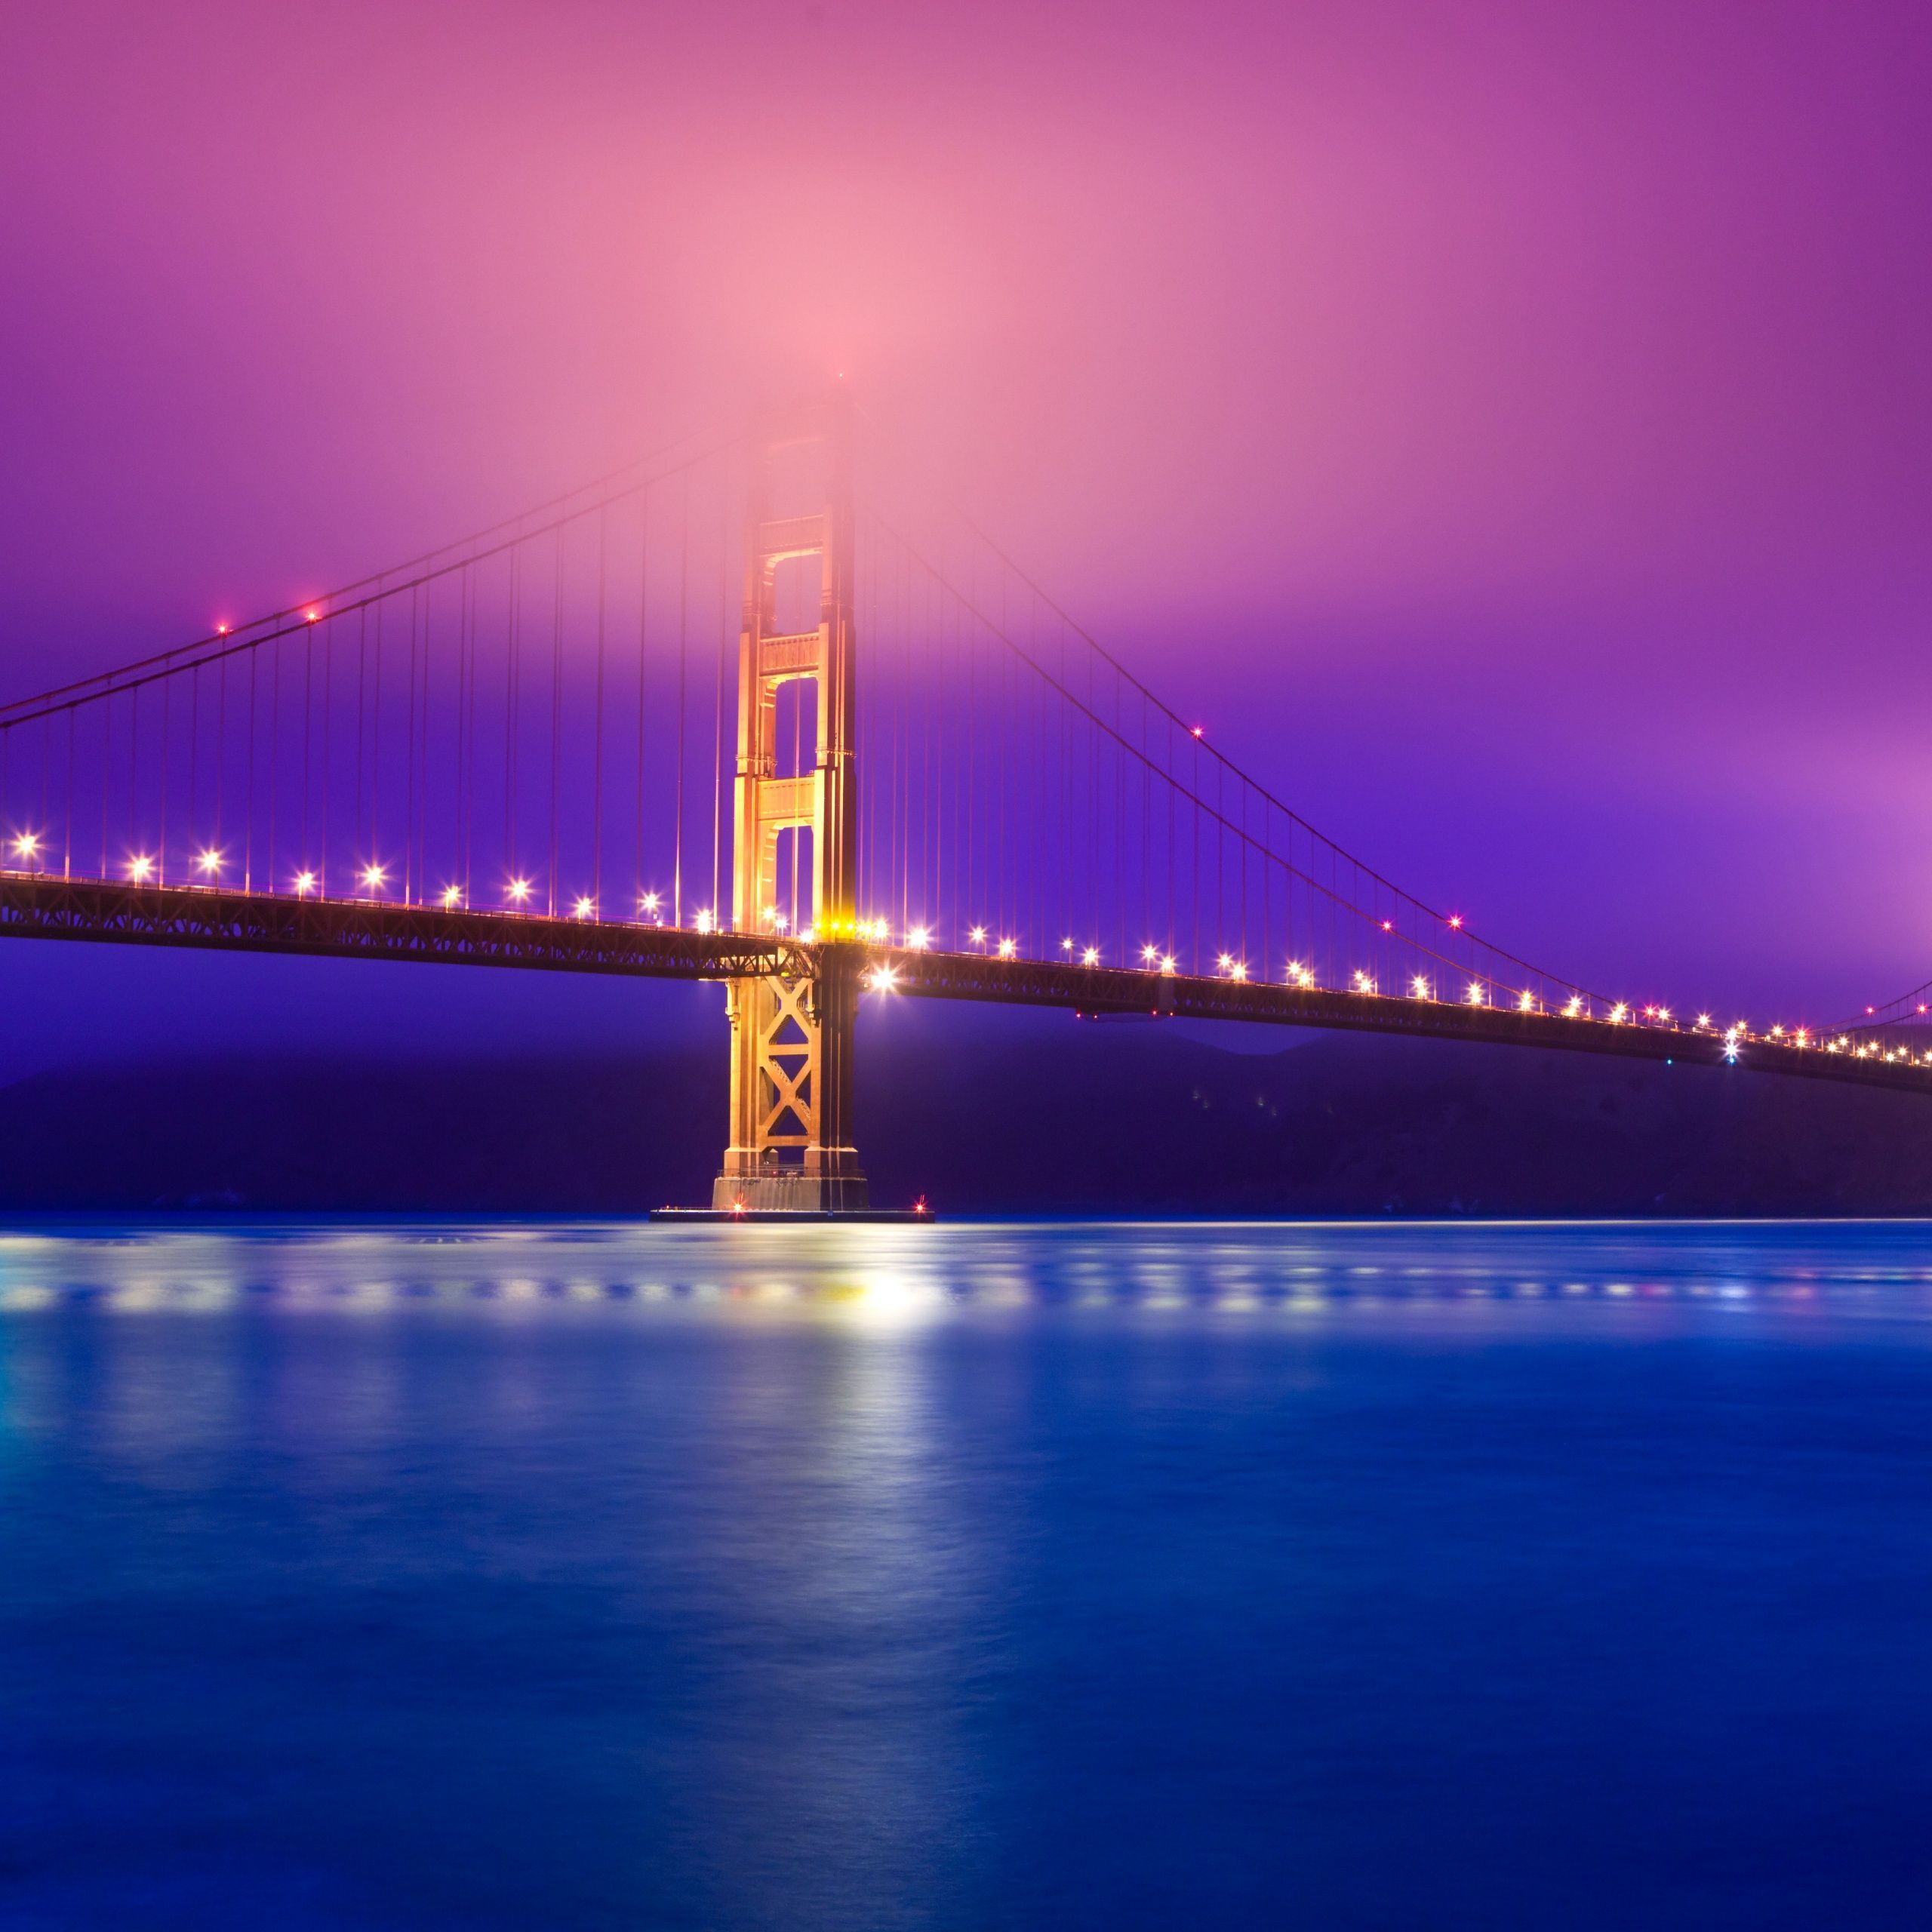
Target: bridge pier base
(791,1192)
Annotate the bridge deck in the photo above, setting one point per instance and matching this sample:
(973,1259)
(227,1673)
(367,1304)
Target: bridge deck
(215,918)
(37,905)
(1114,990)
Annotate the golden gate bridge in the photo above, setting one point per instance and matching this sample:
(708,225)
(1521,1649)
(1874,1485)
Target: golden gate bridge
(623,733)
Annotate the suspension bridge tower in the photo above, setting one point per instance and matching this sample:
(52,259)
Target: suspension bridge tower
(792,1034)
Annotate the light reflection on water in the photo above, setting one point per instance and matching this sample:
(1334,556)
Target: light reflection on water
(427,1574)
(876,1275)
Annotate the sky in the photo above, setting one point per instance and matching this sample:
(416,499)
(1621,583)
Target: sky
(1505,424)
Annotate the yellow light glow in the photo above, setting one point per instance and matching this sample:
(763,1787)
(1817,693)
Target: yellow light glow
(27,845)
(451,894)
(519,890)
(584,907)
(1167,963)
(1007,948)
(1573,1006)
(139,866)
(649,902)
(978,935)
(1475,995)
(305,884)
(373,875)
(1150,955)
(1239,970)
(1419,986)
(917,938)
(209,861)
(1619,1013)
(1526,1002)
(704,921)
(1703,1019)
(1091,957)
(1066,945)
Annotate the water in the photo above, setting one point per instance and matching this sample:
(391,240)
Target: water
(439,1575)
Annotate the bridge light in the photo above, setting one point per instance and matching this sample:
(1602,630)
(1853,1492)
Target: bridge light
(1091,957)
(1364,984)
(1150,955)
(1526,1002)
(1419,986)
(372,875)
(809,935)
(1199,731)
(705,921)
(1226,960)
(222,630)
(1066,945)
(978,936)
(882,979)
(1703,1019)
(139,866)
(1167,964)
(780,920)
(305,884)
(208,861)
(519,891)
(452,896)
(1456,920)
(585,906)
(313,616)
(1663,1015)
(1475,995)
(1800,1038)
(917,938)
(1239,970)
(1777,1032)
(1008,947)
(27,844)
(1387,925)
(1729,1051)
(1573,1006)
(1619,1013)
(649,902)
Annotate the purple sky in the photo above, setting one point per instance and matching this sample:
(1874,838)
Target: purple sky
(1510,427)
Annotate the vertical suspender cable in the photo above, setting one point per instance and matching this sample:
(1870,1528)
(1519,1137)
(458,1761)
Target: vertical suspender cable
(678,804)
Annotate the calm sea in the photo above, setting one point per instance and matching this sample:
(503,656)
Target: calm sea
(433,1575)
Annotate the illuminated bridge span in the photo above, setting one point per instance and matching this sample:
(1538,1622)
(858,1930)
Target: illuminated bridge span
(624,733)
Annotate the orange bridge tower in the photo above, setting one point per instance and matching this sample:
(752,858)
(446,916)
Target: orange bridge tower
(791,1033)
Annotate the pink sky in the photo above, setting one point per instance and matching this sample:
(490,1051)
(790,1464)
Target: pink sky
(1509,424)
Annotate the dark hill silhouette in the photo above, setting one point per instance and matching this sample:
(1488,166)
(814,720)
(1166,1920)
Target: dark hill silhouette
(1106,1119)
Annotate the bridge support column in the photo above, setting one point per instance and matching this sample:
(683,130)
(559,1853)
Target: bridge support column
(791,1148)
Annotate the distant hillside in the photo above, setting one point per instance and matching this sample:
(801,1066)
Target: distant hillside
(1113,1119)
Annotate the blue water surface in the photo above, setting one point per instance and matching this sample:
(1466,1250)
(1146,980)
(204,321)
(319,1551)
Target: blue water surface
(450,1576)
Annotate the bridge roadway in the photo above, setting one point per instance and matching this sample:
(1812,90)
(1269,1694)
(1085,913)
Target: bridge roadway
(43,905)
